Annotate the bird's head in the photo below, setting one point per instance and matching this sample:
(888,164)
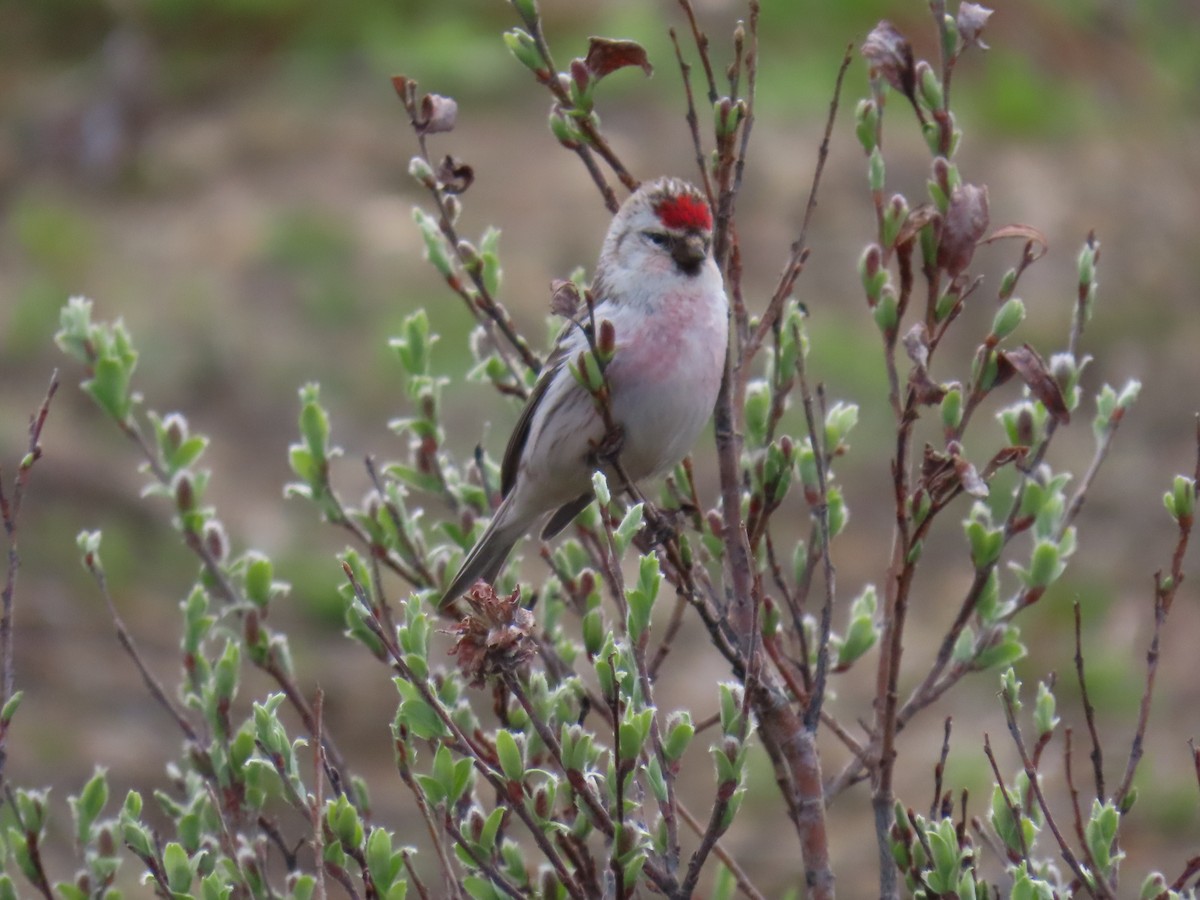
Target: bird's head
(664,227)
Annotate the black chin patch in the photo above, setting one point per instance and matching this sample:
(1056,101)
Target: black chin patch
(691,268)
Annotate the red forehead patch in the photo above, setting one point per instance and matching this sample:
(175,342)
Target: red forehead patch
(684,212)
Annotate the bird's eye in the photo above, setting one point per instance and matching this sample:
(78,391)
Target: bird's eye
(657,238)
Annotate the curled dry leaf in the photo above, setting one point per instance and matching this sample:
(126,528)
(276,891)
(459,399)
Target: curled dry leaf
(965,223)
(925,390)
(972,19)
(944,473)
(890,55)
(1033,371)
(454,175)
(917,219)
(437,114)
(564,298)
(1003,457)
(916,345)
(606,55)
(404,87)
(968,477)
(1035,240)
(937,474)
(497,636)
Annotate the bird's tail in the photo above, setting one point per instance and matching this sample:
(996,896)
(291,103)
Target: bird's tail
(487,557)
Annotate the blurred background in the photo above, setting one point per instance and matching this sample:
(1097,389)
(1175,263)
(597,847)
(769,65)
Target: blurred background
(230,177)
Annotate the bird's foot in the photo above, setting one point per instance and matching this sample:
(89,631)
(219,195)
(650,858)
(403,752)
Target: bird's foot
(605,451)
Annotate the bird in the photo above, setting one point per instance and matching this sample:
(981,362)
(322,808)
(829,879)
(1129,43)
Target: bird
(658,284)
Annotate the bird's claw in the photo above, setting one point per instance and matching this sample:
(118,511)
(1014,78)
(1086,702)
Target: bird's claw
(606,450)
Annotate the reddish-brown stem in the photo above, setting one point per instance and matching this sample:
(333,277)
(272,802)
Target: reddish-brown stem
(1089,711)
(1099,887)
(10,510)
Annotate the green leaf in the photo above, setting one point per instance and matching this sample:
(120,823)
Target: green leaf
(109,387)
(178,867)
(629,526)
(10,707)
(512,763)
(680,732)
(1044,718)
(380,862)
(87,807)
(421,719)
(481,889)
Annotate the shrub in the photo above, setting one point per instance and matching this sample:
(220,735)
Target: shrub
(565,778)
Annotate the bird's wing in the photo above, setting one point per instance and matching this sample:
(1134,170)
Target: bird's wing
(565,515)
(569,340)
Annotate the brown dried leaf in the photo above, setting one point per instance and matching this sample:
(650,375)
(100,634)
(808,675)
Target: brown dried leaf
(916,345)
(402,84)
(917,219)
(972,19)
(937,474)
(1036,239)
(926,391)
(605,56)
(1003,457)
(564,298)
(496,638)
(454,175)
(1032,369)
(965,222)
(943,473)
(890,55)
(968,478)
(438,114)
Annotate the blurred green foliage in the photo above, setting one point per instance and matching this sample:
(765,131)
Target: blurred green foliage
(1083,51)
(315,255)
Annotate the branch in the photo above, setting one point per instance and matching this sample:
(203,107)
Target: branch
(10,510)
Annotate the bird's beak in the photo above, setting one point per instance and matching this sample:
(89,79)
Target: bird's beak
(689,252)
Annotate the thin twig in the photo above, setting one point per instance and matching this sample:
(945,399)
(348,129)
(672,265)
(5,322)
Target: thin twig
(153,685)
(1164,594)
(745,885)
(820,509)
(799,249)
(1089,711)
(10,510)
(939,770)
(693,120)
(1098,887)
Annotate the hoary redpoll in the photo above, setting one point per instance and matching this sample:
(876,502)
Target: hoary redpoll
(657,283)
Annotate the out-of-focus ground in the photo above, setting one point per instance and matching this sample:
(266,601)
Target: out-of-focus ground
(231,180)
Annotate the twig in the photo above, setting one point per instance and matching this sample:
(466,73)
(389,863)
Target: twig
(701,40)
(1089,711)
(37,876)
(812,714)
(317,807)
(1164,595)
(153,685)
(939,770)
(1195,757)
(10,510)
(1189,870)
(739,874)
(1098,887)
(1013,810)
(1076,809)
(692,119)
(799,249)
